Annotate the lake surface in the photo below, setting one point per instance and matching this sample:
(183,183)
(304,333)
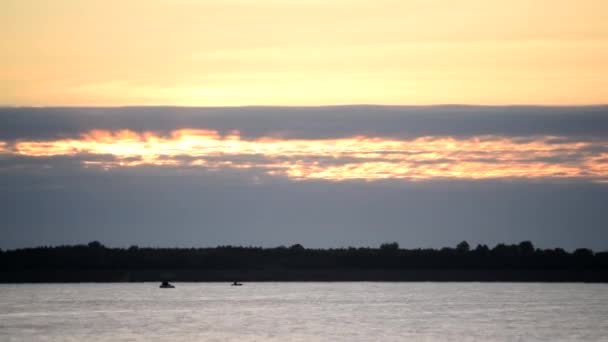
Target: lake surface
(304,312)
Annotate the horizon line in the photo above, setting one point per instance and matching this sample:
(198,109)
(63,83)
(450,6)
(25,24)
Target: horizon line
(292,245)
(346,105)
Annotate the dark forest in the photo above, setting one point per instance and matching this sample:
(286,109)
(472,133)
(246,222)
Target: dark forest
(95,262)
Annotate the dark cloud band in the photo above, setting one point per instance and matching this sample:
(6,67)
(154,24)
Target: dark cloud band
(313,122)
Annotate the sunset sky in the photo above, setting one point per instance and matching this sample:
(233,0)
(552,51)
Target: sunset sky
(302,52)
(326,123)
(426,176)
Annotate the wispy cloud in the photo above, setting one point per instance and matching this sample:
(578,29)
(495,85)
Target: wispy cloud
(358,157)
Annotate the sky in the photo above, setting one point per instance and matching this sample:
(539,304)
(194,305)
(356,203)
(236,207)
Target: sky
(424,176)
(326,123)
(302,52)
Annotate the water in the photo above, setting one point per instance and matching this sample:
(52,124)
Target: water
(304,312)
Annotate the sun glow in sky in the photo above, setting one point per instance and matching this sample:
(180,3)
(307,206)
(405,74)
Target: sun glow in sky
(302,52)
(363,158)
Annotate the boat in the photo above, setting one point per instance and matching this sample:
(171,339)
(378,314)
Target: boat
(237,284)
(166,285)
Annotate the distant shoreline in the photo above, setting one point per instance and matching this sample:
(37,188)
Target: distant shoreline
(325,275)
(504,263)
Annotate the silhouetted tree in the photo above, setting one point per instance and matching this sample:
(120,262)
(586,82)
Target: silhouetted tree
(297,247)
(95,244)
(526,247)
(505,250)
(389,246)
(482,249)
(560,251)
(583,253)
(463,247)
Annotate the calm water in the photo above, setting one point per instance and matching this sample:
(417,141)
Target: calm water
(304,312)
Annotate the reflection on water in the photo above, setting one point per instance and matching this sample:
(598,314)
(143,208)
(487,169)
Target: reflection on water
(304,311)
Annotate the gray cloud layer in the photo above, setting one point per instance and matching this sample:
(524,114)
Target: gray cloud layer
(313,122)
(54,200)
(155,207)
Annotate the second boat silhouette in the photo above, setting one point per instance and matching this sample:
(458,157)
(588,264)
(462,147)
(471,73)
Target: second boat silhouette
(166,285)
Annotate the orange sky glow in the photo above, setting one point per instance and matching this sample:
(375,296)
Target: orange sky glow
(359,157)
(302,52)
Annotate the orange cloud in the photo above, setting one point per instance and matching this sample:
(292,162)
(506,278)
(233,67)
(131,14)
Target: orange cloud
(361,157)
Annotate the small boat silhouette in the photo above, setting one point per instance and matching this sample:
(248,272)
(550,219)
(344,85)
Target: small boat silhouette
(237,284)
(166,285)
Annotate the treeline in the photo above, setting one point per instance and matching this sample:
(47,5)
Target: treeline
(389,256)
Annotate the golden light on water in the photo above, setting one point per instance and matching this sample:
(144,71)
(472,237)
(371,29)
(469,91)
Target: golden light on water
(359,157)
